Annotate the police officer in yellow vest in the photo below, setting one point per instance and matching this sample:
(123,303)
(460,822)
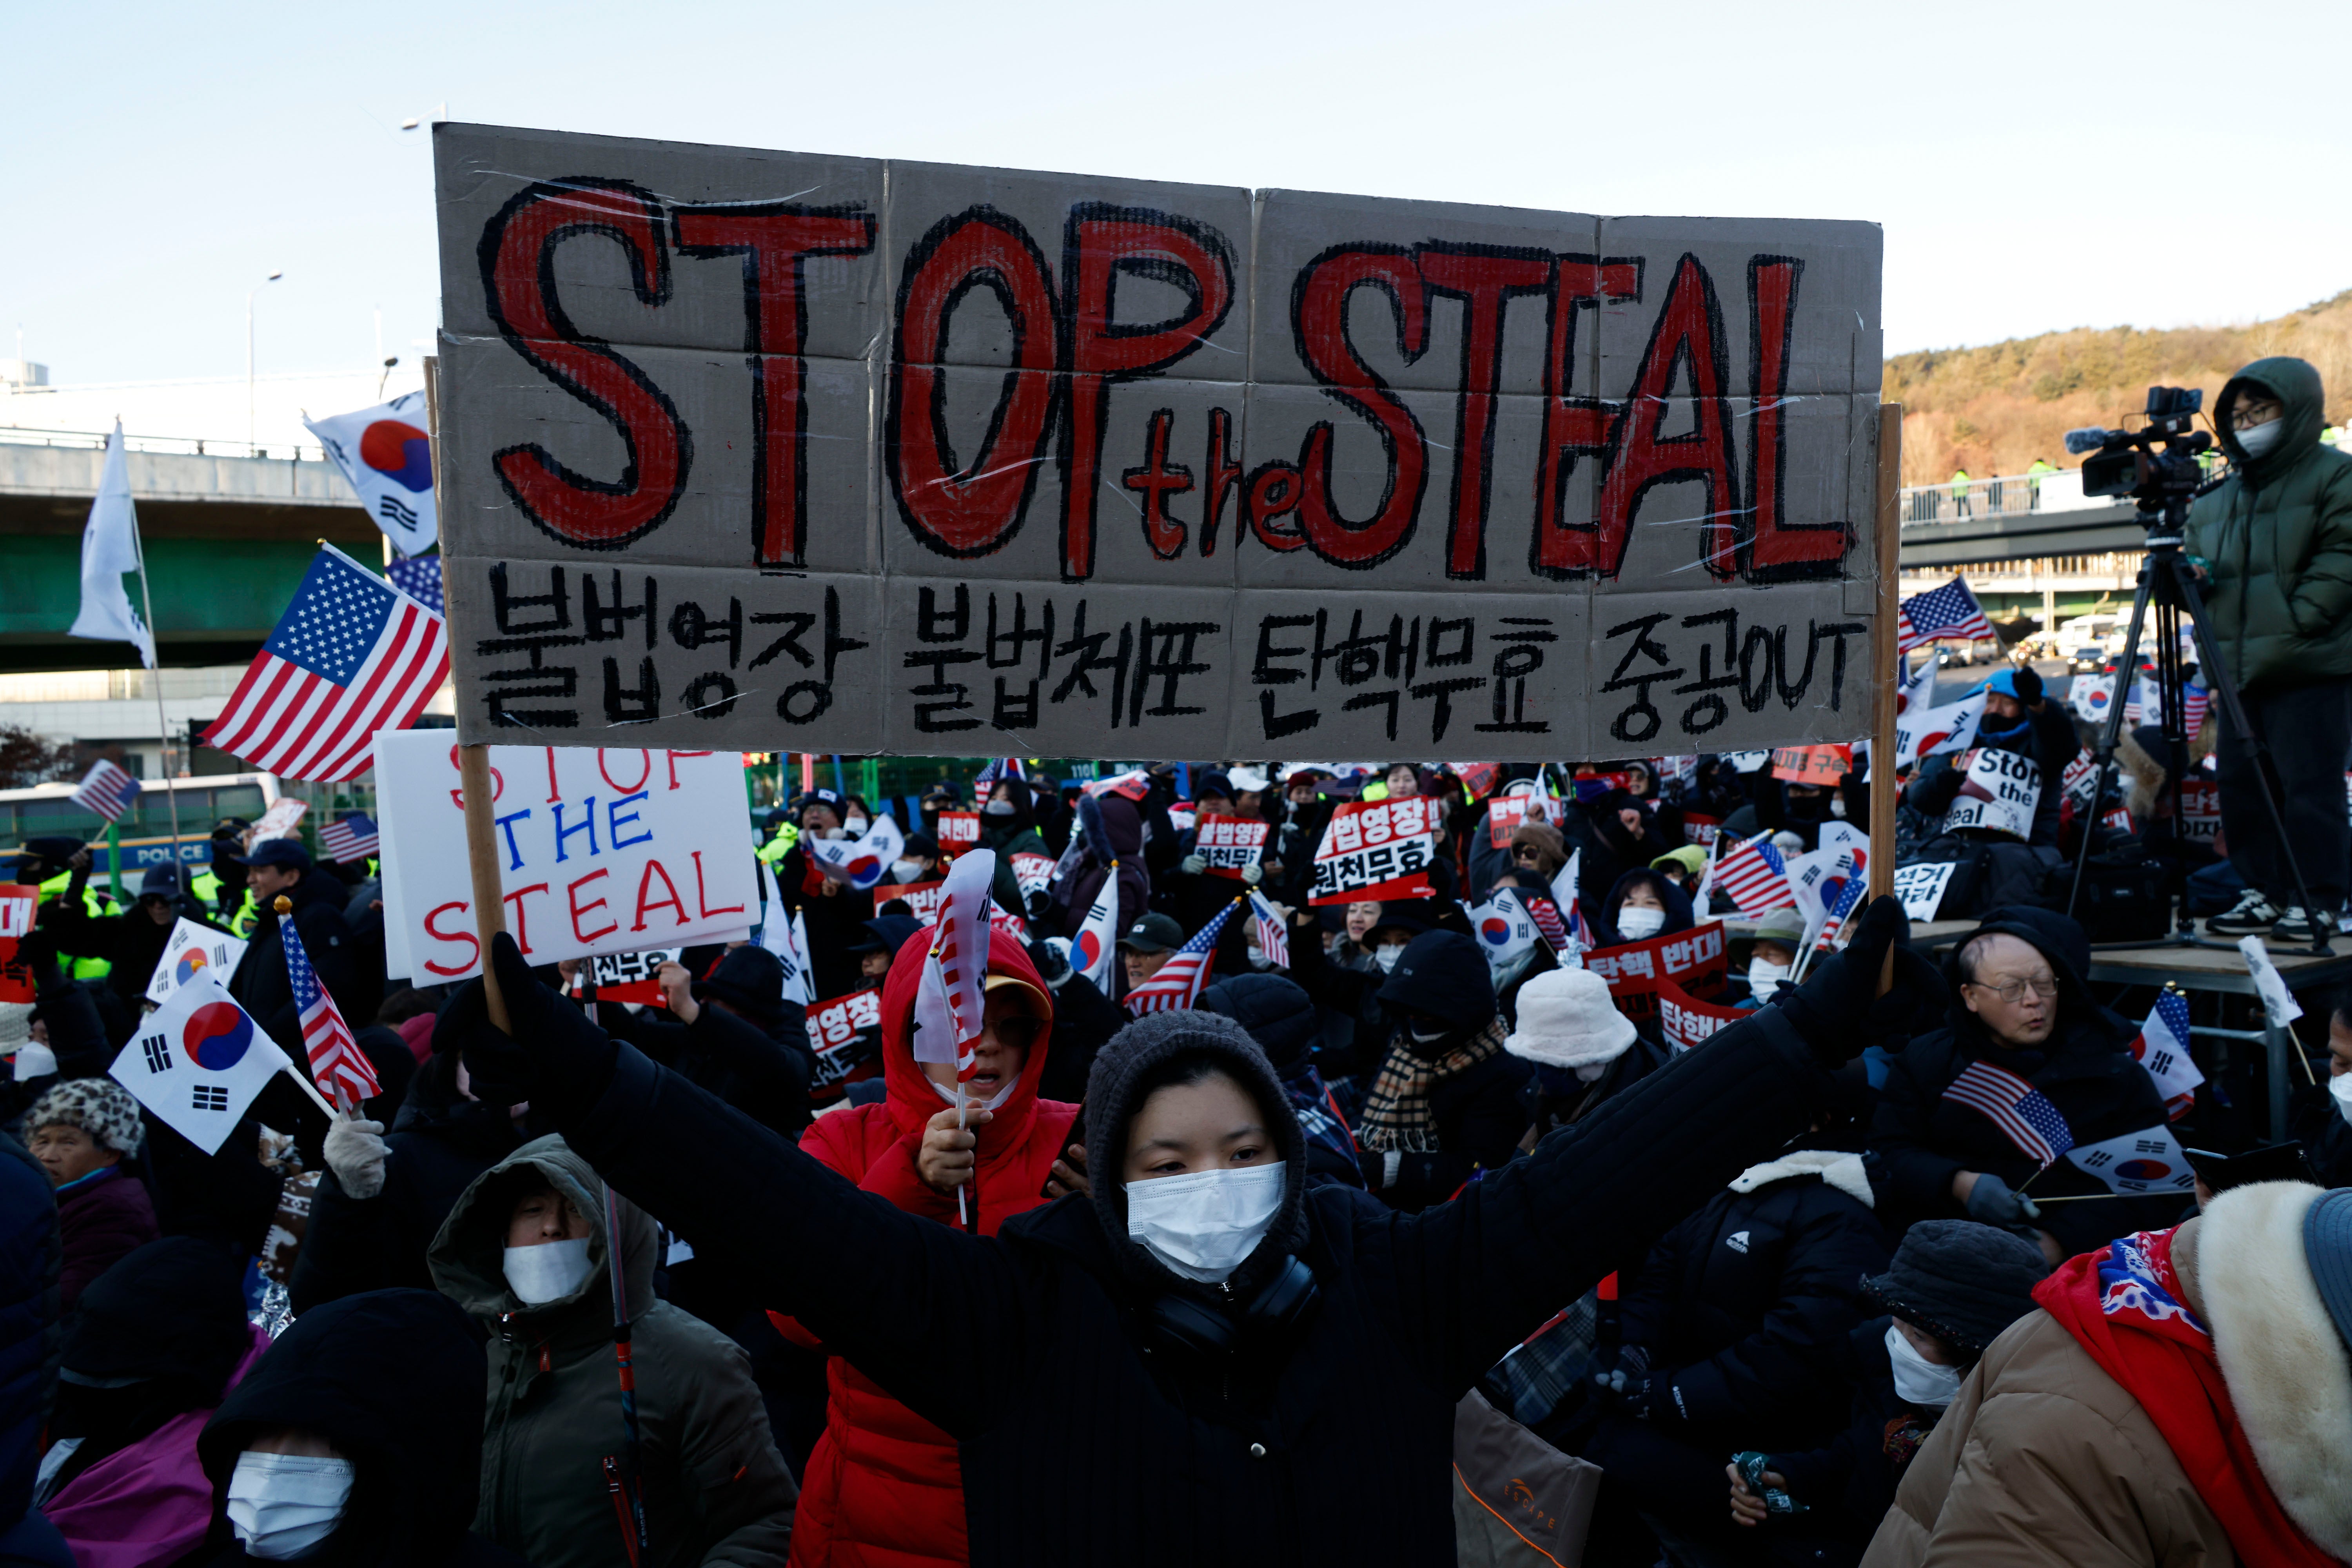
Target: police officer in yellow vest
(59,867)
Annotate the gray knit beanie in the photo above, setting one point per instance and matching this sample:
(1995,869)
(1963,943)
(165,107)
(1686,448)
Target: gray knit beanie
(98,1106)
(1120,1069)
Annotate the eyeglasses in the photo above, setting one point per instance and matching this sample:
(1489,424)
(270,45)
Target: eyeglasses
(2014,991)
(1019,1030)
(1526,852)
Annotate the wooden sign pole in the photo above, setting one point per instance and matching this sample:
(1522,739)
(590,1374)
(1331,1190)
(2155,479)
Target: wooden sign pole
(1884,648)
(472,775)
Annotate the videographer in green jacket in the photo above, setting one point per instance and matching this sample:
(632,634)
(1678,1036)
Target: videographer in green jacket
(2275,541)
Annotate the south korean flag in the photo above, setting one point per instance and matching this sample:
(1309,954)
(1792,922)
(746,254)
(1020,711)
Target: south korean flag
(198,1062)
(2137,1164)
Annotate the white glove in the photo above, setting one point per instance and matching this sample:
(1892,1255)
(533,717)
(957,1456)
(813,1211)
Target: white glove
(1193,865)
(1251,875)
(355,1153)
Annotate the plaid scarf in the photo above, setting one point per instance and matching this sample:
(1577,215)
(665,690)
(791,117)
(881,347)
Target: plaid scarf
(1397,1115)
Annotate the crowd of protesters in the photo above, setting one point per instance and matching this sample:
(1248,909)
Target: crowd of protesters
(1227,1274)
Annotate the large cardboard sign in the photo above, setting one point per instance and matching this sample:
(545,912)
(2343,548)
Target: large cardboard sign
(772,450)
(1694,960)
(612,851)
(1998,791)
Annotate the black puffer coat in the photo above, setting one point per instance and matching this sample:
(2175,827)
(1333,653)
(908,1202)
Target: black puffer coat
(394,1379)
(1029,1348)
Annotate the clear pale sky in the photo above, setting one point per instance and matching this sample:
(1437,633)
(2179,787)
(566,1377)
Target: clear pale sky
(162,160)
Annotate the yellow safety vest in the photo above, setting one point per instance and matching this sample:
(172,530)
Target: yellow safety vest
(94,904)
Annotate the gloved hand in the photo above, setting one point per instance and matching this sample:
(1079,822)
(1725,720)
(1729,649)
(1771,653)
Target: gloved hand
(556,1058)
(1832,1009)
(1253,874)
(355,1153)
(1624,1378)
(2028,685)
(1992,1202)
(1038,903)
(1193,865)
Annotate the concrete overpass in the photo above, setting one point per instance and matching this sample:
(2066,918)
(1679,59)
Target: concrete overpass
(228,540)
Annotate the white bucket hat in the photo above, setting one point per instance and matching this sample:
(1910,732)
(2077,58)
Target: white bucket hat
(1567,1019)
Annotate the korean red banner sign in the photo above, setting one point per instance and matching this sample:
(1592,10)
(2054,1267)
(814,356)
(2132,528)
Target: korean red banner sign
(1229,843)
(1377,850)
(1692,959)
(835,1029)
(1686,1020)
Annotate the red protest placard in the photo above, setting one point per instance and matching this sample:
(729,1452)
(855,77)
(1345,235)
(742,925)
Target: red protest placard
(2201,810)
(922,898)
(1701,829)
(1034,873)
(1823,765)
(1377,850)
(1686,1020)
(1479,778)
(1229,843)
(18,902)
(958,831)
(1691,959)
(846,1033)
(629,976)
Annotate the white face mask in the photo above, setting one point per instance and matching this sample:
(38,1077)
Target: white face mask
(1917,1380)
(905,870)
(858,825)
(1386,957)
(1202,1225)
(1764,977)
(948,1093)
(2340,1091)
(548,1272)
(1837,806)
(282,1505)
(998,808)
(1636,923)
(2262,437)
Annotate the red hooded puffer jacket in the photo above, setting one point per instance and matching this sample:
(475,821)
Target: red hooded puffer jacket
(884,1488)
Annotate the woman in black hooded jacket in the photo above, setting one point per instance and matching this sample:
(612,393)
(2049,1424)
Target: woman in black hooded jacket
(1108,1409)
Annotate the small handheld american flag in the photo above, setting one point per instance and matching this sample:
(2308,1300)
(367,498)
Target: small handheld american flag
(351,656)
(1755,876)
(1265,924)
(1841,906)
(1179,981)
(2022,1112)
(350,838)
(337,1063)
(108,791)
(1950,611)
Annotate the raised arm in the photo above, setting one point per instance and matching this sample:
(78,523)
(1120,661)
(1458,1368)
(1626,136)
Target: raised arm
(944,1322)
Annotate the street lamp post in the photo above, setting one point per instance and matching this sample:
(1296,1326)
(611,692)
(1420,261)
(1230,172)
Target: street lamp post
(252,419)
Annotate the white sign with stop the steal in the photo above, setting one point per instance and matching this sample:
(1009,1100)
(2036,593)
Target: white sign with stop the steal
(1998,791)
(601,850)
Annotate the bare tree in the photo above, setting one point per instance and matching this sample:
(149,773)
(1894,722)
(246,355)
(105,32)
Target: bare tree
(27,758)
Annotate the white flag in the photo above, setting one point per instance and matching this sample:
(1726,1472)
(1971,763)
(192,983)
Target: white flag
(198,1062)
(861,862)
(192,949)
(1097,942)
(1924,732)
(2143,1162)
(110,547)
(387,459)
(787,938)
(2279,1007)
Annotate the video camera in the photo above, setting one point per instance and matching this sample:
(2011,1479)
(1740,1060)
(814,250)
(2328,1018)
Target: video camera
(2155,463)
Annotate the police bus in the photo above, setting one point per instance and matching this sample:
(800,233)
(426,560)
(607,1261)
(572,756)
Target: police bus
(47,811)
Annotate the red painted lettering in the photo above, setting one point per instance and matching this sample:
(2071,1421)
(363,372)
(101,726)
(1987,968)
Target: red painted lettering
(498,780)
(578,909)
(1486,279)
(521,917)
(1101,244)
(463,934)
(1689,331)
(517,255)
(645,886)
(702,894)
(776,240)
(643,756)
(673,757)
(1223,472)
(1574,426)
(972,510)
(1319,325)
(1273,494)
(1156,481)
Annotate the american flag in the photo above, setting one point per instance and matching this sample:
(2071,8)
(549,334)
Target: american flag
(1755,876)
(1546,914)
(1266,922)
(350,838)
(108,791)
(1179,980)
(1841,906)
(2022,1112)
(337,1063)
(351,656)
(419,578)
(998,768)
(2162,1048)
(1950,611)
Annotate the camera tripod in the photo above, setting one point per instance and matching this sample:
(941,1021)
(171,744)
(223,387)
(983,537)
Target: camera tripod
(2168,583)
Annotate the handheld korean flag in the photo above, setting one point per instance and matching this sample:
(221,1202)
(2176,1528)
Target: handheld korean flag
(2162,1048)
(198,1063)
(387,459)
(1566,897)
(862,862)
(1266,925)
(1505,928)
(107,792)
(190,951)
(2148,1161)
(337,1063)
(1098,939)
(1924,732)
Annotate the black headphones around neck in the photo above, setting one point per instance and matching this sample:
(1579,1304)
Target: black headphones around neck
(1272,1321)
